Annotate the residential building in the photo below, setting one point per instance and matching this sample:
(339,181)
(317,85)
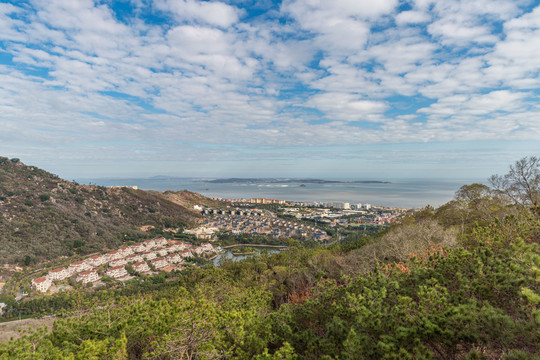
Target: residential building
(162,252)
(174,259)
(117,262)
(266,201)
(141,266)
(149,255)
(161,241)
(41,284)
(96,260)
(113,255)
(116,272)
(150,244)
(125,251)
(58,274)
(78,266)
(160,263)
(186,253)
(88,276)
(134,258)
(138,248)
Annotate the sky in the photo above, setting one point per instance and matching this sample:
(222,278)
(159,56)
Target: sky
(355,89)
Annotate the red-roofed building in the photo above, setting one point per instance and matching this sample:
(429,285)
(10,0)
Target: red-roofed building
(160,263)
(117,262)
(138,248)
(78,266)
(185,253)
(149,255)
(174,259)
(134,258)
(162,252)
(41,284)
(113,255)
(141,266)
(96,260)
(88,276)
(125,251)
(161,241)
(58,274)
(116,272)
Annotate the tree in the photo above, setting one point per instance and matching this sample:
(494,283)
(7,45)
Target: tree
(521,185)
(473,193)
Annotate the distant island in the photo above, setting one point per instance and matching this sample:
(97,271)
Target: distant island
(288,181)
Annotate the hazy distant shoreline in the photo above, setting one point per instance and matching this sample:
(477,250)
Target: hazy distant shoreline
(288,181)
(399,193)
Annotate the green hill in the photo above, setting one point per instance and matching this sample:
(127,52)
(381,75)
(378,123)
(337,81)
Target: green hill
(43,217)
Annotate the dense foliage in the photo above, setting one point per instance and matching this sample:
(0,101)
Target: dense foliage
(477,300)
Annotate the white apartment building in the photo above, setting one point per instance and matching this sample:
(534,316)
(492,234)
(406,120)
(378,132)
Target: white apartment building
(116,272)
(96,260)
(113,255)
(162,252)
(141,266)
(150,244)
(125,251)
(186,253)
(41,284)
(117,262)
(134,258)
(149,255)
(138,248)
(78,266)
(160,241)
(87,276)
(58,274)
(174,259)
(160,263)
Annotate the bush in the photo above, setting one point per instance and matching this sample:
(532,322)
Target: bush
(44,197)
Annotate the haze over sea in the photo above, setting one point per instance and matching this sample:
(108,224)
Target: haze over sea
(409,193)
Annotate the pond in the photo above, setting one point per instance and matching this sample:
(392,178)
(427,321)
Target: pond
(229,255)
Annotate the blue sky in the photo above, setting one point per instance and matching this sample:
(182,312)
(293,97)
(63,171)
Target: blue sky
(362,89)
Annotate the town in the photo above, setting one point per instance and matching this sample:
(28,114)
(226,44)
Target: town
(254,222)
(144,258)
(333,213)
(250,217)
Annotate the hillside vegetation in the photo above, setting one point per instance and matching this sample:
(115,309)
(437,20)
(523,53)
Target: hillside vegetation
(428,288)
(44,217)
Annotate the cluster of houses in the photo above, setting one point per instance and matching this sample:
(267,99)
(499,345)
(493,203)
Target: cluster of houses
(262,225)
(333,217)
(160,253)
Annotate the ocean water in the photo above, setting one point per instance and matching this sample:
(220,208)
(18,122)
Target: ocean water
(398,193)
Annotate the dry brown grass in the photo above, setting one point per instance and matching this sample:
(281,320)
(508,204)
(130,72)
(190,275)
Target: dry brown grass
(14,329)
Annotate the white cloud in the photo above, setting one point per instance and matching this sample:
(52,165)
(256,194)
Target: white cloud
(411,17)
(347,107)
(307,74)
(209,12)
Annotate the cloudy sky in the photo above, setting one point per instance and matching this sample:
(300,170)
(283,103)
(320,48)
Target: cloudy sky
(334,89)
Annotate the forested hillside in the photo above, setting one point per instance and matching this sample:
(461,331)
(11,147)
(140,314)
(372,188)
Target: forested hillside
(432,287)
(43,216)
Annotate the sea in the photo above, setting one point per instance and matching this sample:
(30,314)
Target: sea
(409,193)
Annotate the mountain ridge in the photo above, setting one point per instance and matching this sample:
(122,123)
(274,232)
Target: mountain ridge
(43,216)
